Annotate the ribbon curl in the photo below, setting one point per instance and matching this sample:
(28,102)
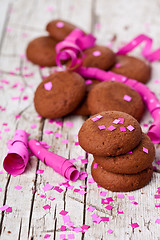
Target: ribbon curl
(148,97)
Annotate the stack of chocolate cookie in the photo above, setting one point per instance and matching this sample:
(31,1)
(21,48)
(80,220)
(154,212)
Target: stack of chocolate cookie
(123,155)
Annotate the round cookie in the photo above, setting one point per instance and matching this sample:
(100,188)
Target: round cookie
(82,109)
(112,141)
(99,57)
(132,67)
(116,96)
(59,94)
(59,29)
(130,163)
(121,182)
(41,51)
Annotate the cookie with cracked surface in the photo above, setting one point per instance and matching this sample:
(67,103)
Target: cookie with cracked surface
(41,51)
(132,67)
(110,133)
(116,96)
(133,162)
(59,94)
(116,182)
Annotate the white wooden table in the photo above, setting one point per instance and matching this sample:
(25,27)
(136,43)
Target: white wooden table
(110,21)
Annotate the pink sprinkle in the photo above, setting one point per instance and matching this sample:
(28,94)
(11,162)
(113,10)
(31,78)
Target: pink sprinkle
(90,180)
(120,212)
(3,208)
(108,207)
(96,118)
(158,162)
(42,196)
(127,98)
(63,212)
(25,97)
(88,82)
(47,236)
(46,207)
(130,128)
(51,198)
(90,209)
(111,128)
(110,199)
(48,86)
(157,196)
(83,175)
(15,98)
(62,236)
(66,218)
(145,125)
(63,228)
(122,129)
(94,215)
(157,204)
(116,121)
(110,231)
(82,192)
(39,171)
(121,120)
(47,187)
(101,127)
(82,186)
(95,165)
(104,201)
(117,65)
(104,219)
(58,135)
(48,131)
(33,126)
(7,129)
(134,202)
(131,197)
(103,193)
(157,220)
(71,236)
(145,150)
(120,195)
(96,53)
(84,161)
(0,189)
(134,225)
(72,160)
(18,187)
(69,124)
(9,209)
(1,172)
(65,141)
(76,143)
(59,24)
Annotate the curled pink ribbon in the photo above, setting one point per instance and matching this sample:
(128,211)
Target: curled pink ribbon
(146,51)
(72,46)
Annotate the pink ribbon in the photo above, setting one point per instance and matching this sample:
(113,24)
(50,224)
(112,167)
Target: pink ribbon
(17,158)
(146,51)
(148,97)
(73,45)
(61,165)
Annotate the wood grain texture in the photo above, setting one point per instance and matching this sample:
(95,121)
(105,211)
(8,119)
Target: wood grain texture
(110,21)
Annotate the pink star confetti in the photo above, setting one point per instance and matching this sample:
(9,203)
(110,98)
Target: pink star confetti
(101,127)
(46,207)
(145,150)
(48,86)
(134,225)
(127,98)
(18,187)
(111,128)
(130,128)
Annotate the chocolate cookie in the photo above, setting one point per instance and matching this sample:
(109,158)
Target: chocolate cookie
(116,96)
(132,67)
(82,109)
(41,51)
(59,94)
(99,57)
(59,29)
(133,162)
(120,182)
(110,133)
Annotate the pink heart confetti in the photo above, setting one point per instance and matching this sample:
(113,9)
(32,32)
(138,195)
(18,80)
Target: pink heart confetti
(127,98)
(48,86)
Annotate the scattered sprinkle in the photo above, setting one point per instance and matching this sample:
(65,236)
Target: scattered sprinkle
(122,129)
(18,187)
(101,127)
(59,24)
(48,86)
(134,225)
(96,53)
(110,231)
(116,121)
(46,207)
(130,128)
(127,98)
(111,128)
(63,212)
